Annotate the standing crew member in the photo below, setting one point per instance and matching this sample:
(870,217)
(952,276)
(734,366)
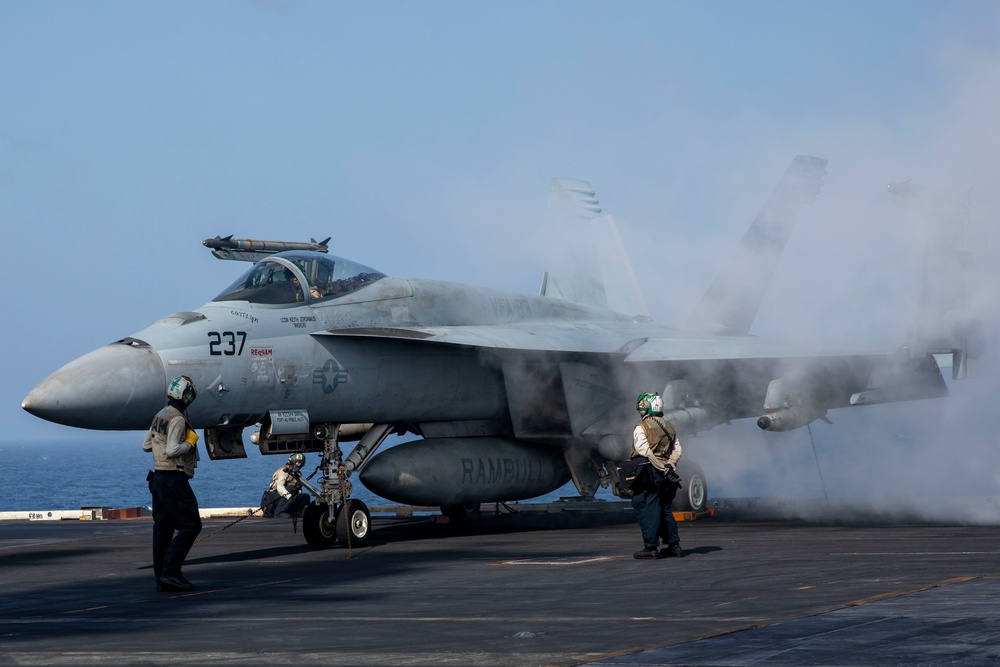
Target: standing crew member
(656,439)
(175,508)
(285,496)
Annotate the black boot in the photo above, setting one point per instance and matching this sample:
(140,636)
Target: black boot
(647,553)
(671,551)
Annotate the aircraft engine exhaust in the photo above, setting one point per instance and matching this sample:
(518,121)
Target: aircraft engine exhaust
(459,471)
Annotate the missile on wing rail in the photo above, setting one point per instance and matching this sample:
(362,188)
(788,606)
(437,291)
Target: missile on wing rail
(252,250)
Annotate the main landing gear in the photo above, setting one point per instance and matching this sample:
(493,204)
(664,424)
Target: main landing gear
(334,516)
(693,494)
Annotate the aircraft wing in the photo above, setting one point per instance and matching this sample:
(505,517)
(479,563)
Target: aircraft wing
(633,344)
(726,377)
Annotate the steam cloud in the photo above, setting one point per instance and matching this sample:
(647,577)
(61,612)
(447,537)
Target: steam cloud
(853,271)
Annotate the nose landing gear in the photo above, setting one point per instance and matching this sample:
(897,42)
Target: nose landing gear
(349,524)
(318,526)
(353,523)
(334,515)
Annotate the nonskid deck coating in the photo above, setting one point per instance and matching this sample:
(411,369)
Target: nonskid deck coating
(506,594)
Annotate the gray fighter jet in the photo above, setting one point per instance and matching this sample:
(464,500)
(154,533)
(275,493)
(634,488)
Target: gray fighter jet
(511,395)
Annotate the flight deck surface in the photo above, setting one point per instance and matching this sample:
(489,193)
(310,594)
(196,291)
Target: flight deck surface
(420,593)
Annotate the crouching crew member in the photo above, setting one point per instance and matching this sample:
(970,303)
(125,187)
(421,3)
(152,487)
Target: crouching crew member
(656,439)
(285,496)
(176,520)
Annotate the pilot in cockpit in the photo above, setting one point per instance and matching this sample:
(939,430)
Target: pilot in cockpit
(313,292)
(270,281)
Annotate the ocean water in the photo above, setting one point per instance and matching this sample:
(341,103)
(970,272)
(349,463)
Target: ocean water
(109,470)
(871,453)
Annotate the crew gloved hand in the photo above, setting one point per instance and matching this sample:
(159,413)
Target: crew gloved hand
(191,437)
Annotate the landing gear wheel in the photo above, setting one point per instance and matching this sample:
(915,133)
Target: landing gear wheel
(354,524)
(693,494)
(317,527)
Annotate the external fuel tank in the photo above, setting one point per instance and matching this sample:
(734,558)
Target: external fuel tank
(459,471)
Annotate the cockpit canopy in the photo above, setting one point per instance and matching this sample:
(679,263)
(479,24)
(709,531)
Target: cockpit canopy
(299,276)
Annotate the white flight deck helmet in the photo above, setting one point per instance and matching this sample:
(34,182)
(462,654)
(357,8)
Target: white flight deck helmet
(182,389)
(649,403)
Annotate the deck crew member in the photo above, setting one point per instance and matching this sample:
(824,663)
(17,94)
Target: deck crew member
(176,520)
(656,439)
(285,496)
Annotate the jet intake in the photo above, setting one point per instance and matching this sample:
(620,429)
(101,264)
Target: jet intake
(224,442)
(460,471)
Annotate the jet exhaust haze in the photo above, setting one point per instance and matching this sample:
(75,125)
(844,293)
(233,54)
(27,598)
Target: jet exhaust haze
(852,271)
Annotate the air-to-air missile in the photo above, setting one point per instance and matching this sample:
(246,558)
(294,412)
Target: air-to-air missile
(253,250)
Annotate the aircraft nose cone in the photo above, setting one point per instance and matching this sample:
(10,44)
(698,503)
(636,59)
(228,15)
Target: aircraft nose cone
(116,387)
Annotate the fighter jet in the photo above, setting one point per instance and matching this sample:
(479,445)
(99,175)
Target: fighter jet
(511,395)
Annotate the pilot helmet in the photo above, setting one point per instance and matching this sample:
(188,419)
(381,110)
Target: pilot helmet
(649,403)
(297,459)
(182,389)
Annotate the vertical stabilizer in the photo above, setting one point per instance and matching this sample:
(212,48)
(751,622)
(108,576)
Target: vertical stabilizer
(585,260)
(953,299)
(731,302)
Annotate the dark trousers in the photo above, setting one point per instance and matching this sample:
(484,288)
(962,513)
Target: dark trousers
(652,507)
(272,503)
(293,507)
(176,522)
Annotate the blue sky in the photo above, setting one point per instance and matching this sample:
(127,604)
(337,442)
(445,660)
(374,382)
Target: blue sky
(421,136)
